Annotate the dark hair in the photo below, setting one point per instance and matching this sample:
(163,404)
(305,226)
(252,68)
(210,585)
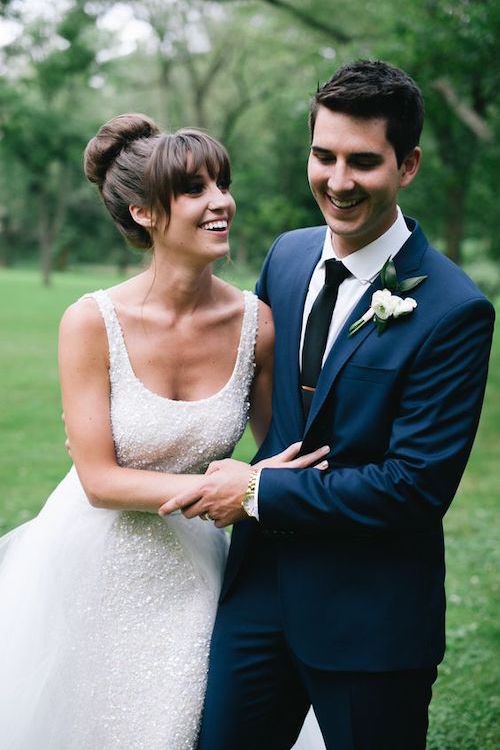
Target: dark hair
(132,162)
(367,89)
(176,158)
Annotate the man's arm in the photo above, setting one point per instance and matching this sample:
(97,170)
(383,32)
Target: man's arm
(412,487)
(430,443)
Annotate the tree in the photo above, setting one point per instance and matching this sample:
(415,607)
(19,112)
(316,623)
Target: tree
(41,124)
(452,48)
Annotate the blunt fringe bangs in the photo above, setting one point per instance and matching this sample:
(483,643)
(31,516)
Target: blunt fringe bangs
(176,158)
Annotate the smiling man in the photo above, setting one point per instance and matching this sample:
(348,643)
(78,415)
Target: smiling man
(355,175)
(334,588)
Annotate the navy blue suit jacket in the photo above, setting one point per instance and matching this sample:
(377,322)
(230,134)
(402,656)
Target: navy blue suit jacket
(360,546)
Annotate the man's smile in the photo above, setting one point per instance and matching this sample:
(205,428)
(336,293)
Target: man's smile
(345,204)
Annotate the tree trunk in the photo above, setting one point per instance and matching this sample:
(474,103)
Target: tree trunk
(52,210)
(46,241)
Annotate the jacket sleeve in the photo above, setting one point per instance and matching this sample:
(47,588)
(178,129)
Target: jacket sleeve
(261,289)
(430,442)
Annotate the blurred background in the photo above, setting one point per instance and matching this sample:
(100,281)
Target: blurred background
(245,71)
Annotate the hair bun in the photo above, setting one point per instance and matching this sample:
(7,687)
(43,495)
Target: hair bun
(112,138)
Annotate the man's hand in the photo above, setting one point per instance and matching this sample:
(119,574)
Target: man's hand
(219,496)
(290,459)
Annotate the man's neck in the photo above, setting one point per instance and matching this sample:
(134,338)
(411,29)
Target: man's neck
(345,246)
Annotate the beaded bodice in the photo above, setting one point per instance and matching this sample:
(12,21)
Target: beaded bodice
(156,433)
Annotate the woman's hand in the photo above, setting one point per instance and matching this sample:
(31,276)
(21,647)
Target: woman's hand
(290,459)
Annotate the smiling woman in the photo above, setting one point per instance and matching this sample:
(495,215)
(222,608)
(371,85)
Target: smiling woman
(156,374)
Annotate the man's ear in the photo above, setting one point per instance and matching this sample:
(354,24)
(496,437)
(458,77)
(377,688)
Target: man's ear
(142,216)
(410,166)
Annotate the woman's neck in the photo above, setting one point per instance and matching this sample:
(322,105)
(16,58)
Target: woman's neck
(179,287)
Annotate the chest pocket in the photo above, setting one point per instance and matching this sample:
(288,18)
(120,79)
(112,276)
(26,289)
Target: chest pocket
(368,374)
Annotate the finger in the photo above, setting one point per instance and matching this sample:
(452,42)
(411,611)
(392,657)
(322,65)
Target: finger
(309,459)
(221,524)
(179,502)
(289,453)
(196,509)
(323,465)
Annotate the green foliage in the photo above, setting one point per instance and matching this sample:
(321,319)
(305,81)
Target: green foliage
(42,130)
(245,71)
(452,48)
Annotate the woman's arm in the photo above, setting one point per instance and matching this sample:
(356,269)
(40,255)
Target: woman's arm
(84,375)
(261,394)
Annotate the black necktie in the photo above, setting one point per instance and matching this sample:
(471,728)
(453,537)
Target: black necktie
(317,328)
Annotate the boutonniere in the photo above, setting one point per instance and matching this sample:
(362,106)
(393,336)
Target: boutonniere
(386,303)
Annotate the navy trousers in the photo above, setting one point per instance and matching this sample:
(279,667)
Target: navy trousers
(259,691)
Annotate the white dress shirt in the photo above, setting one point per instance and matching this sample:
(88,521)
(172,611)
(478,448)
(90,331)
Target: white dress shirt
(364,264)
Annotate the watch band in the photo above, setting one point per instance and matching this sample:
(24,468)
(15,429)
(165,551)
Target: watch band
(249,502)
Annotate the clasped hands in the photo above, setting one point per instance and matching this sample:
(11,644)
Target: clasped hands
(222,489)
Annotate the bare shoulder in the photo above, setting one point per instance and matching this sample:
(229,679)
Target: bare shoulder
(265,335)
(83,315)
(82,326)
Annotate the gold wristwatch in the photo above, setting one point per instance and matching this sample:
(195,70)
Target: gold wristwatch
(249,502)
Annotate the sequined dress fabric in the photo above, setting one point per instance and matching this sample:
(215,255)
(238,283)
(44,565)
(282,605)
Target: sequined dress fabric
(106,616)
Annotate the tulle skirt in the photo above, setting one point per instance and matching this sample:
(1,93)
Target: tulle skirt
(105,623)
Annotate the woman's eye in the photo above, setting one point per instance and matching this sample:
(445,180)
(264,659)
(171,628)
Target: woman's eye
(194,188)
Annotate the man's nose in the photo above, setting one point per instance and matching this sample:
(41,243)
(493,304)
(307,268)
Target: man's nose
(340,179)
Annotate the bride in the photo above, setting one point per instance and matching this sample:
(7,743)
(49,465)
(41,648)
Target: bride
(106,608)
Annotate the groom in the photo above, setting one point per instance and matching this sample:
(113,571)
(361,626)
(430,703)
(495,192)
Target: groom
(334,588)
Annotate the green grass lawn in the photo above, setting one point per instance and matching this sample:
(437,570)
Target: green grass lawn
(32,460)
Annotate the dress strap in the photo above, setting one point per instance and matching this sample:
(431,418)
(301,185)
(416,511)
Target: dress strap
(118,356)
(245,366)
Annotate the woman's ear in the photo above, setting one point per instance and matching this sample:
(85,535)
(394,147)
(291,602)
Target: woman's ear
(142,216)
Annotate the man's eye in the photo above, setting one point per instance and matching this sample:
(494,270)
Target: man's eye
(325,158)
(362,164)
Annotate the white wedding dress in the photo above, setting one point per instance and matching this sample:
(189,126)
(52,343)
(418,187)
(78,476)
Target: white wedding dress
(106,616)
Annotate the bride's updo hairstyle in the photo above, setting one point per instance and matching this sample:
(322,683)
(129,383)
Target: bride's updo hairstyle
(133,163)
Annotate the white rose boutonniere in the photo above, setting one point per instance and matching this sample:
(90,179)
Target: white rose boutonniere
(386,305)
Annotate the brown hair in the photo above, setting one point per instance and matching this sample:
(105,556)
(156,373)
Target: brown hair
(132,162)
(372,88)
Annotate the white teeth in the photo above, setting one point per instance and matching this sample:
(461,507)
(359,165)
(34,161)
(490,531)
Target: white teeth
(215,225)
(344,204)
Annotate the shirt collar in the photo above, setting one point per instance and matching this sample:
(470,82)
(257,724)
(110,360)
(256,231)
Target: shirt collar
(366,262)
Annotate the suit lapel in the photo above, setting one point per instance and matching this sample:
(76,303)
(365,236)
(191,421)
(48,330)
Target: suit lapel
(343,348)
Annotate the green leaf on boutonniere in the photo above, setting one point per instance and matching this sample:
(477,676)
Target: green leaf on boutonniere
(388,276)
(408,284)
(380,324)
